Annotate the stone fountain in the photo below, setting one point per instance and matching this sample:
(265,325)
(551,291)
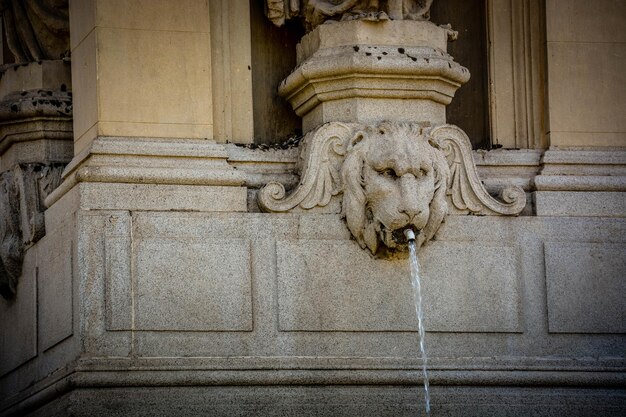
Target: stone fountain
(372,83)
(175,273)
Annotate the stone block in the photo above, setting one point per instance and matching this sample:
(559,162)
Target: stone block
(119,303)
(184,285)
(123,100)
(586,287)
(472,287)
(580,203)
(128,101)
(592,113)
(336,286)
(85,91)
(464,290)
(55,291)
(118,196)
(182,16)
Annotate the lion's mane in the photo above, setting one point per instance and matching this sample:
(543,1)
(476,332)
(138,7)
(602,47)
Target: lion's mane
(359,219)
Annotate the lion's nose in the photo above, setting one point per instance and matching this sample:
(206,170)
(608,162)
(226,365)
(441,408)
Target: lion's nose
(410,204)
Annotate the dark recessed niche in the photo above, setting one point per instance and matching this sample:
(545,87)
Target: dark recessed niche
(470,107)
(273,57)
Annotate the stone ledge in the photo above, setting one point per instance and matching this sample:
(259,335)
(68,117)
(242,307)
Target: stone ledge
(101,377)
(153,161)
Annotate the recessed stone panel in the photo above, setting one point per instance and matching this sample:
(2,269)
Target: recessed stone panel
(55,291)
(472,287)
(586,285)
(184,285)
(333,285)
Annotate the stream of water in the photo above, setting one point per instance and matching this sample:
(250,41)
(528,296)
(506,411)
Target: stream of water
(417,296)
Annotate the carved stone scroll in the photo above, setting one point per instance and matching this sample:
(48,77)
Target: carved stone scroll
(321,156)
(393,176)
(466,191)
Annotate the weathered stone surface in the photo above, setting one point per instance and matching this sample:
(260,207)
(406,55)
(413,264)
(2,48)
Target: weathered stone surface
(580,203)
(472,287)
(158,197)
(320,292)
(390,400)
(586,287)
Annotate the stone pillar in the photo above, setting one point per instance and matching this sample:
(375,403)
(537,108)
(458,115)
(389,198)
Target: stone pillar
(141,71)
(583,171)
(586,101)
(143,94)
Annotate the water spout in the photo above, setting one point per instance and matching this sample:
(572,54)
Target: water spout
(417,296)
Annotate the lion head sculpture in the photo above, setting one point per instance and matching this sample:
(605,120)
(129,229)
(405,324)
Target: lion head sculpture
(395,177)
(389,178)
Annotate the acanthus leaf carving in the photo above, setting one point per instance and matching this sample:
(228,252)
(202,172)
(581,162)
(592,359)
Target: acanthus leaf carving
(321,157)
(466,191)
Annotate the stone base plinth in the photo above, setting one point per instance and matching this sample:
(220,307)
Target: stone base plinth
(366,72)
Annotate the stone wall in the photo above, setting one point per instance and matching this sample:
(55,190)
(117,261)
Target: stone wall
(160,288)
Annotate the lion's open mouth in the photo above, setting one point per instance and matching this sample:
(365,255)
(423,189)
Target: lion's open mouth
(396,238)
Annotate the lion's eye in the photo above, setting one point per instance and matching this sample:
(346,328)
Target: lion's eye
(389,173)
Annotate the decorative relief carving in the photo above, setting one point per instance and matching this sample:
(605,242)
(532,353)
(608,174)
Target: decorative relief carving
(22,193)
(466,191)
(393,176)
(316,12)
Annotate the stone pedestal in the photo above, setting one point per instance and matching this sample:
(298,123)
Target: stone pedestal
(366,72)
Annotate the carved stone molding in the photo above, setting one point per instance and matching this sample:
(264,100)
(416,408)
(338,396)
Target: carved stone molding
(391,176)
(22,193)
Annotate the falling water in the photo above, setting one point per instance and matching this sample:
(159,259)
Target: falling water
(417,296)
